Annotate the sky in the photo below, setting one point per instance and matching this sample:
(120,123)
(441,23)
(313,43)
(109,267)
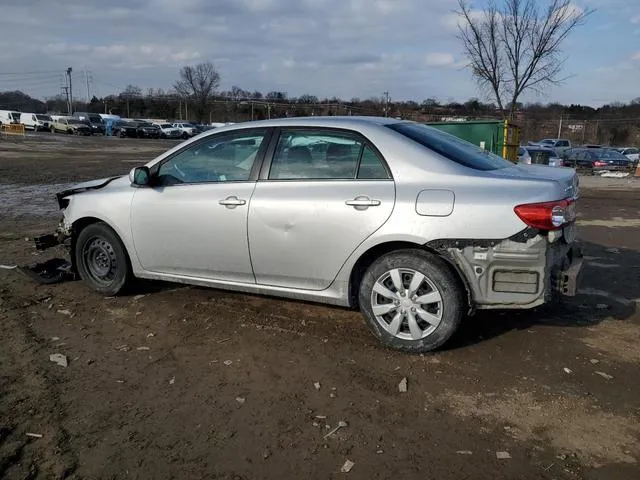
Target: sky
(343,48)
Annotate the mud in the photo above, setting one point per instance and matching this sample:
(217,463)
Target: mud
(181,382)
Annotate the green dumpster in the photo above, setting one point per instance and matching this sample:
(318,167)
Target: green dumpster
(498,136)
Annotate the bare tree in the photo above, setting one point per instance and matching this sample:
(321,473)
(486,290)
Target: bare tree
(515,46)
(198,83)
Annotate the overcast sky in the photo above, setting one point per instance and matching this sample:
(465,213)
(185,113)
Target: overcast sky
(346,48)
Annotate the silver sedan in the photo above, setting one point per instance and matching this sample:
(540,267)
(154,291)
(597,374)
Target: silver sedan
(414,227)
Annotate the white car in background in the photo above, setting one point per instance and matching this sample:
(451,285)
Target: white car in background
(631,153)
(186,129)
(169,131)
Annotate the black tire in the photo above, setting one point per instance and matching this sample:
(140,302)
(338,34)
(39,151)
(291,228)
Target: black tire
(185,135)
(101,259)
(452,305)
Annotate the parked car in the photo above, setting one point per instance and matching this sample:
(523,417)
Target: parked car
(94,120)
(168,131)
(536,155)
(187,129)
(597,160)
(71,126)
(36,121)
(148,130)
(9,116)
(126,128)
(631,153)
(558,144)
(411,225)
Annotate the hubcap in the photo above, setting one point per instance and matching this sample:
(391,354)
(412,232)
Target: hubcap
(100,260)
(407,304)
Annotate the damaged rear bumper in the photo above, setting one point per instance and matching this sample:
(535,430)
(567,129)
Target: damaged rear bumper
(62,236)
(521,272)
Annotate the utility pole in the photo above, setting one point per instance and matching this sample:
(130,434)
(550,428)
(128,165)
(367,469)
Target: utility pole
(386,104)
(560,128)
(86,78)
(65,89)
(69,70)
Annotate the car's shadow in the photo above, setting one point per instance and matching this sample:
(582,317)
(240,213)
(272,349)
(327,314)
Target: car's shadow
(609,288)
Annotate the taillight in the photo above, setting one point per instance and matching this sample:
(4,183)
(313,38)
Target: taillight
(598,163)
(547,215)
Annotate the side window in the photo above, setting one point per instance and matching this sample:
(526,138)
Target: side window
(228,157)
(309,154)
(371,167)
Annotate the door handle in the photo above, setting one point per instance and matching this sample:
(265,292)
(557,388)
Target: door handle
(362,202)
(232,202)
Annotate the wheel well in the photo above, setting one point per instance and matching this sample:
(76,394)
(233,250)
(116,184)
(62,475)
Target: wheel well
(371,255)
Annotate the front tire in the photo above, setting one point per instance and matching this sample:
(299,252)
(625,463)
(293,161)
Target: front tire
(411,300)
(101,259)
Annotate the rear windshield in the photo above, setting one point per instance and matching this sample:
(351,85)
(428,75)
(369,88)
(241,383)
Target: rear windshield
(451,147)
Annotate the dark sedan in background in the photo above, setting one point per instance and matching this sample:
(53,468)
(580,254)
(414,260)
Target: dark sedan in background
(597,160)
(137,129)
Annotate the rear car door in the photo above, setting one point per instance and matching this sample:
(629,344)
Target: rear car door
(192,220)
(321,193)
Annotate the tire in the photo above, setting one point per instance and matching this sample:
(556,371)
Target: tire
(101,260)
(440,290)
(185,135)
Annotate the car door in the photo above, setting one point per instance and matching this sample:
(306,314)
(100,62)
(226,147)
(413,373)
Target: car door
(192,220)
(322,193)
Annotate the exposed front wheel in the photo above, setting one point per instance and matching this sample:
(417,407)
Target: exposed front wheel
(102,260)
(411,300)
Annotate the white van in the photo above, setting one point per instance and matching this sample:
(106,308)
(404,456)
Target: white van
(9,116)
(36,121)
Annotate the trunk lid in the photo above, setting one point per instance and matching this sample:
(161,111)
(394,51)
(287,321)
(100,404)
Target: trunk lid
(566,177)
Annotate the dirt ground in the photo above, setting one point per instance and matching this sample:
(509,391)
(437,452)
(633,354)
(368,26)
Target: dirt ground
(183,382)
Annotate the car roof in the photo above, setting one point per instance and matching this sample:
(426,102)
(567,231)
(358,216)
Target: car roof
(335,122)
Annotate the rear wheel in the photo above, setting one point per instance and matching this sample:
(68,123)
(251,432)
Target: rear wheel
(102,260)
(411,300)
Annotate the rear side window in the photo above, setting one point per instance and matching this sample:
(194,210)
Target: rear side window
(371,167)
(451,147)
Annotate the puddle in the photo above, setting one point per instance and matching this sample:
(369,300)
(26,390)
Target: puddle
(30,200)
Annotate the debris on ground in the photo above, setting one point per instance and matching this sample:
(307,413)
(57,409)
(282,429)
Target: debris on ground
(341,424)
(605,375)
(228,362)
(594,361)
(59,359)
(266,454)
(143,349)
(321,417)
(567,370)
(379,452)
(52,271)
(402,386)
(172,381)
(150,335)
(8,267)
(55,339)
(503,455)
(123,348)
(348,465)
(138,297)
(464,452)
(240,400)
(316,385)
(332,395)
(64,312)
(34,435)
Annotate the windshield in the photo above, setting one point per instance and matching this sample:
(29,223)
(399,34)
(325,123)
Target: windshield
(45,118)
(547,141)
(166,125)
(451,147)
(76,122)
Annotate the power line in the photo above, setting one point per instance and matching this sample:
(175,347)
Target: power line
(43,72)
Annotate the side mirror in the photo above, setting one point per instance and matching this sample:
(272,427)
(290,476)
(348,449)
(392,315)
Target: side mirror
(140,176)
